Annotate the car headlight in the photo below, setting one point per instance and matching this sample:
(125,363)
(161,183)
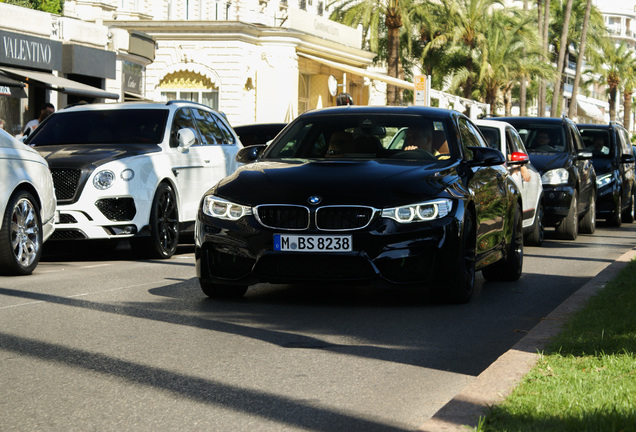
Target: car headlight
(104,179)
(223,209)
(604,180)
(555,176)
(421,212)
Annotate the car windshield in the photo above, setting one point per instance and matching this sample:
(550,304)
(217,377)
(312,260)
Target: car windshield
(598,142)
(542,138)
(116,126)
(364,136)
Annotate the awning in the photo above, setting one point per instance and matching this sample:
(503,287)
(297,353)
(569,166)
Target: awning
(59,84)
(362,72)
(11,87)
(590,110)
(135,97)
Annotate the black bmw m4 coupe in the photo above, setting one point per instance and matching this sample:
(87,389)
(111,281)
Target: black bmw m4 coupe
(401,196)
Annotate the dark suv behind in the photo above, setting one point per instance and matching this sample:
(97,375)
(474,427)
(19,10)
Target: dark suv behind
(614,165)
(556,149)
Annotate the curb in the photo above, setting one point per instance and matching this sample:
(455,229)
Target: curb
(494,384)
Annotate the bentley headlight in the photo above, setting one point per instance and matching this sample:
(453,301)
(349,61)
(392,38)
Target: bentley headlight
(421,212)
(223,209)
(555,177)
(604,180)
(104,179)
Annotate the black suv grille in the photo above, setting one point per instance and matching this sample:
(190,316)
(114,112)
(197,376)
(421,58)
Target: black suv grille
(66,182)
(283,216)
(343,218)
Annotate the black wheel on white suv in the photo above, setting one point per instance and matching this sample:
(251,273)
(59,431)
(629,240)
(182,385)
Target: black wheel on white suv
(164,226)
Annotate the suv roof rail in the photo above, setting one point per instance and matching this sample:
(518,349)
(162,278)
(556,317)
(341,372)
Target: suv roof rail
(170,102)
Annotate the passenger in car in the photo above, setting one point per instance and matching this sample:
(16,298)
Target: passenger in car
(424,138)
(340,143)
(599,145)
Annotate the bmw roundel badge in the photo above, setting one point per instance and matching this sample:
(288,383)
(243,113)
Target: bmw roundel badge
(314,200)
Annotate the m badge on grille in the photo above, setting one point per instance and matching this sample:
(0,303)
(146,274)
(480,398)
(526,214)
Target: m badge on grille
(314,200)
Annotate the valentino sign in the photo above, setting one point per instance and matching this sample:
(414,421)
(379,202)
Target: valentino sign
(23,50)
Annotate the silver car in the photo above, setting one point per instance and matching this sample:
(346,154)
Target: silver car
(505,138)
(27,206)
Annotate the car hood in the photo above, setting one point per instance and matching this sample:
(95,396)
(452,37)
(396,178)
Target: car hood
(548,161)
(78,156)
(11,148)
(375,183)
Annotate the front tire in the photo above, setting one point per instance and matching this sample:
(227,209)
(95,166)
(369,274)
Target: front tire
(588,223)
(615,220)
(535,238)
(462,283)
(164,226)
(568,228)
(21,235)
(221,291)
(510,268)
(628,214)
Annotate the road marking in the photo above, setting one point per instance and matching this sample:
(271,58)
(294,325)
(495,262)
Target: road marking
(82,294)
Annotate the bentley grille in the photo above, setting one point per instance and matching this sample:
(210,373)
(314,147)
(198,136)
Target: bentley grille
(66,182)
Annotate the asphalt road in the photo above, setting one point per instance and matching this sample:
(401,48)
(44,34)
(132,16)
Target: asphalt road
(99,341)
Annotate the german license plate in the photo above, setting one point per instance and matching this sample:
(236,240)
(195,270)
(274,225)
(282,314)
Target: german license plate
(312,243)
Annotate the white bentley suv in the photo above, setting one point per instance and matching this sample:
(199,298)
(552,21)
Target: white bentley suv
(134,170)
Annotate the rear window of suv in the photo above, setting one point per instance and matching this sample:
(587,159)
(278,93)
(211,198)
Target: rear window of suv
(117,126)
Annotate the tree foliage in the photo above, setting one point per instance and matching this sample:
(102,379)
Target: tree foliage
(51,6)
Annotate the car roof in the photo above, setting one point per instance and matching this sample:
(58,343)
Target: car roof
(544,120)
(599,126)
(499,124)
(393,110)
(130,105)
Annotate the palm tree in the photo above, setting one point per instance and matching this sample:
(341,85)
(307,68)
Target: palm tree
(629,86)
(467,21)
(509,54)
(376,18)
(615,66)
(579,61)
(434,40)
(543,21)
(557,93)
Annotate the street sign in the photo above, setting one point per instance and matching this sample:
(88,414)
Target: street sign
(420,94)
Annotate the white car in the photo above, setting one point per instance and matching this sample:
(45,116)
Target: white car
(505,138)
(134,171)
(27,206)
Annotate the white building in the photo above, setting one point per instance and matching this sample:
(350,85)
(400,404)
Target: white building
(254,60)
(61,60)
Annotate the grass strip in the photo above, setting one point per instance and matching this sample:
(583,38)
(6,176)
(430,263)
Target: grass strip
(586,378)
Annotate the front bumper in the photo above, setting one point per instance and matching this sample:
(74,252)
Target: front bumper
(387,252)
(606,201)
(105,218)
(557,201)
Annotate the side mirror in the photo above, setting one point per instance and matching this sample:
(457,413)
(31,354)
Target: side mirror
(250,153)
(486,156)
(627,158)
(518,159)
(185,138)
